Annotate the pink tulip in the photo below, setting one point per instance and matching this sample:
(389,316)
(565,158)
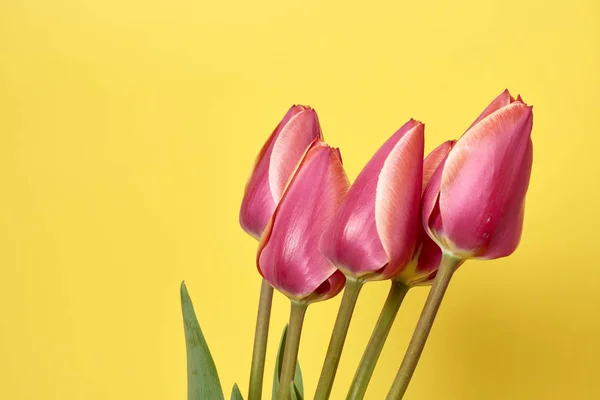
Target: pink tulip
(426,259)
(375,231)
(274,166)
(288,256)
(474,204)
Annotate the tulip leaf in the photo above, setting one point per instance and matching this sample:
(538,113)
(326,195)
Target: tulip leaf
(298,387)
(203,379)
(235,393)
(296,394)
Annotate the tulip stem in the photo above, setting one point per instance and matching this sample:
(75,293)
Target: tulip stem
(369,359)
(261,336)
(417,343)
(292,345)
(338,337)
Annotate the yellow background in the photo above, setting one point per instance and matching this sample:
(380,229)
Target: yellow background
(128,129)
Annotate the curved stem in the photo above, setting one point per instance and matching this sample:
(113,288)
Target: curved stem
(292,344)
(369,359)
(261,336)
(338,337)
(417,343)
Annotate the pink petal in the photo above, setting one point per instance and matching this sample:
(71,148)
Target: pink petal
(265,151)
(330,288)
(339,154)
(289,257)
(507,235)
(257,207)
(502,100)
(259,200)
(433,160)
(352,241)
(481,176)
(429,257)
(289,147)
(398,199)
(258,203)
(431,218)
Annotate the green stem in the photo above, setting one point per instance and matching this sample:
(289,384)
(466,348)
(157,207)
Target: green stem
(382,329)
(292,344)
(261,336)
(338,337)
(415,348)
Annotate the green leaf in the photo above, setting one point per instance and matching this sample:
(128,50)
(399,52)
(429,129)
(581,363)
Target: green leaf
(296,394)
(203,379)
(235,393)
(298,387)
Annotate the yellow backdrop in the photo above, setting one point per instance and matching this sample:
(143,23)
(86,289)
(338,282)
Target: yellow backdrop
(128,129)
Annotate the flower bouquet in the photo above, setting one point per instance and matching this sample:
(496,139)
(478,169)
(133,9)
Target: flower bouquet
(406,219)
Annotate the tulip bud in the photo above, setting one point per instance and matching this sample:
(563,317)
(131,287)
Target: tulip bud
(274,166)
(288,256)
(427,256)
(374,234)
(474,204)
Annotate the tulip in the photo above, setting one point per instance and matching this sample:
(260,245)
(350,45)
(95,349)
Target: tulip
(473,206)
(375,231)
(419,271)
(374,234)
(272,169)
(289,257)
(274,166)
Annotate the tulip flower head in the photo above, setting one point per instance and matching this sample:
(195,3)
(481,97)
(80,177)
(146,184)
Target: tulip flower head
(288,256)
(274,166)
(374,234)
(474,204)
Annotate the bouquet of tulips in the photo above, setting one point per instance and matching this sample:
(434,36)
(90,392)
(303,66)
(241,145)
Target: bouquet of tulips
(407,219)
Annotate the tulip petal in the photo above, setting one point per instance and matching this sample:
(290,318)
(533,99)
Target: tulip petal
(352,242)
(433,160)
(289,257)
(429,257)
(339,154)
(397,200)
(500,143)
(430,210)
(289,146)
(330,288)
(267,147)
(507,235)
(502,100)
(433,167)
(258,204)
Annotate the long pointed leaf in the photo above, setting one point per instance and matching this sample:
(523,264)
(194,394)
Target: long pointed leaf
(298,387)
(235,393)
(203,379)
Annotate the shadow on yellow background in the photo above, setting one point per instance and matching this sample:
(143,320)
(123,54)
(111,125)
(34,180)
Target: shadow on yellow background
(128,129)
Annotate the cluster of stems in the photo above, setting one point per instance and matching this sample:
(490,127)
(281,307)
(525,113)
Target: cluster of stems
(373,350)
